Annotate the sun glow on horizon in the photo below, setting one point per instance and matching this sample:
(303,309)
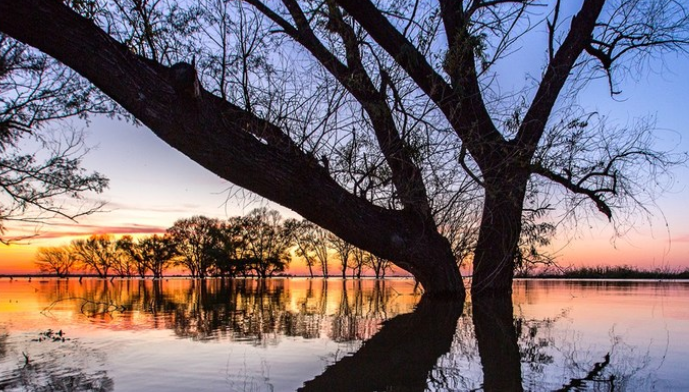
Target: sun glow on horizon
(17,257)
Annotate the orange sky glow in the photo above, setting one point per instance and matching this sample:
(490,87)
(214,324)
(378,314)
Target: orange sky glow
(642,250)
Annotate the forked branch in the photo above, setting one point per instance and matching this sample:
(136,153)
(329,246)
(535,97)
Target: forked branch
(578,188)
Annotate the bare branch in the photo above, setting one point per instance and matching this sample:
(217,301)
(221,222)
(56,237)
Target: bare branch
(575,188)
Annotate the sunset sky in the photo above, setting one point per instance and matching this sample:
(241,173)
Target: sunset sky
(152,185)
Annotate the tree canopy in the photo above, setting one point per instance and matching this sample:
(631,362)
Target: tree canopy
(383,121)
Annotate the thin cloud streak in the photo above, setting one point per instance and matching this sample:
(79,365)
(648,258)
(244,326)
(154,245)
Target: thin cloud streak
(76,230)
(185,208)
(682,238)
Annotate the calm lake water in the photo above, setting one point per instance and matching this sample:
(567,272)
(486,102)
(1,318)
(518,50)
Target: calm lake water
(334,335)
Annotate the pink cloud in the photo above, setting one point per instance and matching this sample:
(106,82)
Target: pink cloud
(681,238)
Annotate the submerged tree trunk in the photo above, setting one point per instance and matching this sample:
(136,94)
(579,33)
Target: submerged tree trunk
(498,235)
(435,267)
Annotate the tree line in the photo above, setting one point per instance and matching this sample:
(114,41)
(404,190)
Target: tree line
(260,244)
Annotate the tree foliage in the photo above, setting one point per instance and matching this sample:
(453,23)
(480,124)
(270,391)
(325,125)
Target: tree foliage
(152,254)
(196,241)
(266,242)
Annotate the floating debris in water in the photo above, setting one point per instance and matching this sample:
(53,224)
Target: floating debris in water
(50,335)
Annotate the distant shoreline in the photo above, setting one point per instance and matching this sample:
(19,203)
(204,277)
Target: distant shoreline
(613,272)
(595,273)
(95,276)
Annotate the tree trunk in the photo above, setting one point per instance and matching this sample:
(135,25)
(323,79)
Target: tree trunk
(499,234)
(433,264)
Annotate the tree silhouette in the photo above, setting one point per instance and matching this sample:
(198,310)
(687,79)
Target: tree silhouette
(344,252)
(394,111)
(149,254)
(231,257)
(196,242)
(267,242)
(97,253)
(379,266)
(34,185)
(58,260)
(132,252)
(301,232)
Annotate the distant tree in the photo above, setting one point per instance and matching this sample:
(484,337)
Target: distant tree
(344,252)
(159,252)
(123,264)
(196,241)
(58,260)
(151,254)
(231,251)
(321,247)
(97,253)
(360,259)
(131,251)
(267,242)
(379,265)
(301,232)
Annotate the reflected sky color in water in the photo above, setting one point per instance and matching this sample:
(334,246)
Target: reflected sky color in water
(289,334)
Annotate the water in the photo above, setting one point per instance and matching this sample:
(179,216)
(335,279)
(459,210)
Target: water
(334,335)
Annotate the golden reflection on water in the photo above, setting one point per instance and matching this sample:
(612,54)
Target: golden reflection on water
(308,334)
(215,308)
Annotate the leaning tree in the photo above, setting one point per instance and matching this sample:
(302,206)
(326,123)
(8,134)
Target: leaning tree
(379,121)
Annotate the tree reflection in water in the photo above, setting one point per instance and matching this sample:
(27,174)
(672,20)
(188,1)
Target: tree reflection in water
(441,346)
(400,356)
(253,310)
(497,344)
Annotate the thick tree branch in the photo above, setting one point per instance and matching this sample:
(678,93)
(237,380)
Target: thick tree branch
(462,105)
(354,77)
(552,27)
(556,75)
